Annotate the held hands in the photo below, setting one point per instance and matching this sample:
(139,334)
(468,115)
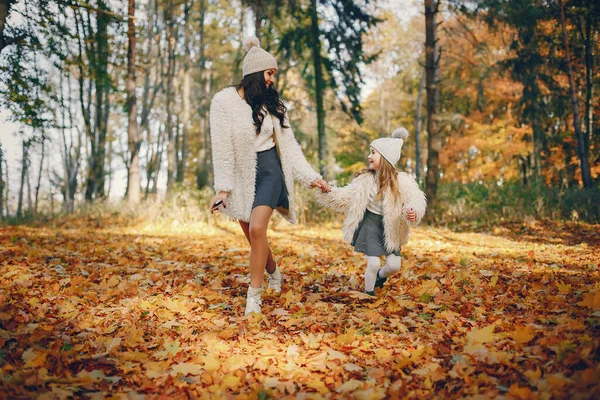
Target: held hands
(321,184)
(221,196)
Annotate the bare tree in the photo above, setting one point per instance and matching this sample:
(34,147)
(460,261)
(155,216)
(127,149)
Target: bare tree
(418,123)
(434,138)
(581,150)
(1,183)
(39,179)
(24,167)
(171,48)
(135,141)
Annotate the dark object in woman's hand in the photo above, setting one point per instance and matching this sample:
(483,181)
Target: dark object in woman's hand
(217,204)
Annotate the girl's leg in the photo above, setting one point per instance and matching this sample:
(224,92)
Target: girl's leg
(270,261)
(392,266)
(373,264)
(259,246)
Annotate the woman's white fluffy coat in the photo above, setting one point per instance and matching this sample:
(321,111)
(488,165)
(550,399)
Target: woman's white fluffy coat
(233,133)
(353,198)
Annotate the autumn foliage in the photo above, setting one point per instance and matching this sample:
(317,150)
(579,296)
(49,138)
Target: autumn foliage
(90,310)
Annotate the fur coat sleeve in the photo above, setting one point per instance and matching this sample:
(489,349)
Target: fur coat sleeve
(222,147)
(340,198)
(302,170)
(413,195)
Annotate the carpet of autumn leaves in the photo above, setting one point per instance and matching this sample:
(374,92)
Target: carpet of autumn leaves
(95,310)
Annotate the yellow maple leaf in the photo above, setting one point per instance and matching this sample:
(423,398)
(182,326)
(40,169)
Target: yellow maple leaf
(230,382)
(483,335)
(346,338)
(187,369)
(428,286)
(336,355)
(563,288)
(210,363)
(494,280)
(318,385)
(522,393)
(349,386)
(33,358)
(523,334)
(311,340)
(591,300)
(155,369)
(533,376)
(352,367)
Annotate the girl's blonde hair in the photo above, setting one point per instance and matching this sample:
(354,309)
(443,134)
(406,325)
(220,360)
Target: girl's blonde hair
(388,178)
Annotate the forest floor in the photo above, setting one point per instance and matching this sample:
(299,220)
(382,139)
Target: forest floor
(90,309)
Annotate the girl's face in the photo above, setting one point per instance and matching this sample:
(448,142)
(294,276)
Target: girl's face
(374,160)
(270,76)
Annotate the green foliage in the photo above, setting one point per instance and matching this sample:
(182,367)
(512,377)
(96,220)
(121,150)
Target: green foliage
(488,202)
(343,29)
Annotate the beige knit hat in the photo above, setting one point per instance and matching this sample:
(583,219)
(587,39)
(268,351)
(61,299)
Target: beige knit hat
(390,147)
(256,59)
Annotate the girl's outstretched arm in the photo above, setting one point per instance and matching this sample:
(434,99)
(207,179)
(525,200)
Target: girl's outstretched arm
(340,198)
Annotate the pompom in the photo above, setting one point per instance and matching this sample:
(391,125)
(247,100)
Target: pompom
(250,42)
(400,133)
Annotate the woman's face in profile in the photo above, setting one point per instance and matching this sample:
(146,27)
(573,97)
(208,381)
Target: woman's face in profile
(270,76)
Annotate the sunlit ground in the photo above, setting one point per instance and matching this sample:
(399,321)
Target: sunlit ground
(91,310)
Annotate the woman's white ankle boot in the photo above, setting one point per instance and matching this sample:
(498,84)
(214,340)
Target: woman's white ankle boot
(275,280)
(253,301)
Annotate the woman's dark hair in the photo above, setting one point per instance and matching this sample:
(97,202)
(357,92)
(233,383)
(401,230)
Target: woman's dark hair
(258,95)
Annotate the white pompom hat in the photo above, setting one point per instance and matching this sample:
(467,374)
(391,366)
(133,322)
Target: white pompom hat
(390,147)
(256,59)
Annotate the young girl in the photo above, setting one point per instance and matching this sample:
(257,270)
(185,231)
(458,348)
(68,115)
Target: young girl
(381,205)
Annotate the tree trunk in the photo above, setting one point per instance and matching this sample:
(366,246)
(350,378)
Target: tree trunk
(418,123)
(171,157)
(581,150)
(135,141)
(319,87)
(589,41)
(185,94)
(4,10)
(83,37)
(1,183)
(102,83)
(28,181)
(6,188)
(434,139)
(39,180)
(24,162)
(258,17)
(202,166)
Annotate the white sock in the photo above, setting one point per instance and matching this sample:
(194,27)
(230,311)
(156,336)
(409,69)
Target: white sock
(373,264)
(392,266)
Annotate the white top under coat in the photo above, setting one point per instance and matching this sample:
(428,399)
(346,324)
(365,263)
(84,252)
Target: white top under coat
(264,140)
(374,205)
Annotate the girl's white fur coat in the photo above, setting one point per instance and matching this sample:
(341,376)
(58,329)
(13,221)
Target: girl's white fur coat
(353,200)
(232,134)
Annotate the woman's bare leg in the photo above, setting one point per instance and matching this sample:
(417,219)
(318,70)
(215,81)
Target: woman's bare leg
(270,261)
(259,246)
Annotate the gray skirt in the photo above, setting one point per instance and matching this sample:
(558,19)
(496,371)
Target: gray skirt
(369,236)
(269,188)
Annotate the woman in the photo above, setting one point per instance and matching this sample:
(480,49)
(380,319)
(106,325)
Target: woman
(256,159)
